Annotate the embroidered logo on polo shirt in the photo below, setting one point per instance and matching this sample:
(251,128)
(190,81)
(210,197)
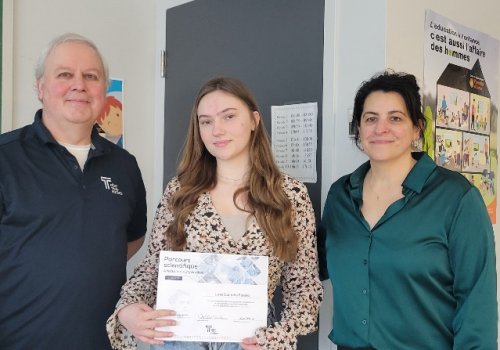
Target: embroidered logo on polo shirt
(110,186)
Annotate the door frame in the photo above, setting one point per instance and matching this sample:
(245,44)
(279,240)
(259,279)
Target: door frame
(161,7)
(326,313)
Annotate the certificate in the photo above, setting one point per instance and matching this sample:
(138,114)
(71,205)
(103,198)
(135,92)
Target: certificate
(217,297)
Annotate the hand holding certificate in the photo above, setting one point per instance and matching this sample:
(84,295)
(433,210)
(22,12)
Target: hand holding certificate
(217,297)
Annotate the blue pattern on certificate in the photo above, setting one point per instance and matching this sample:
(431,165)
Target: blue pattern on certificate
(217,297)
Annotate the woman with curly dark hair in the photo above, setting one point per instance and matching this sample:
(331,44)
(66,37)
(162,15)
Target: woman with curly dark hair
(409,244)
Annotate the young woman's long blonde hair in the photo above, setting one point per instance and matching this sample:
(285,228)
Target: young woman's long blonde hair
(265,195)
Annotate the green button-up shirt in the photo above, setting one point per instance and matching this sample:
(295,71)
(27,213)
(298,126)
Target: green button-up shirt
(424,276)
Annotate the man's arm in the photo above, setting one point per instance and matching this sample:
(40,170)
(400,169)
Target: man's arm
(134,246)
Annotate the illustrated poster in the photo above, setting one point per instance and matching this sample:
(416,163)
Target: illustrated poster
(461,68)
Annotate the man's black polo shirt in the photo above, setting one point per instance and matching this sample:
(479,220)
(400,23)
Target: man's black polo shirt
(63,239)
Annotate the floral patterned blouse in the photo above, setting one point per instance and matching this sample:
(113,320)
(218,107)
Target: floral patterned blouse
(302,289)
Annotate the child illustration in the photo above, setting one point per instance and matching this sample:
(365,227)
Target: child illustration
(110,120)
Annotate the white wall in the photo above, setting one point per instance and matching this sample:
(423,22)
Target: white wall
(354,51)
(405,27)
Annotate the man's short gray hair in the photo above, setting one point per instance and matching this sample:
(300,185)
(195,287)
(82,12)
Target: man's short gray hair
(68,38)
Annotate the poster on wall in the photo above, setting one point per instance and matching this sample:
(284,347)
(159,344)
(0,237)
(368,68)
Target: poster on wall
(460,97)
(110,121)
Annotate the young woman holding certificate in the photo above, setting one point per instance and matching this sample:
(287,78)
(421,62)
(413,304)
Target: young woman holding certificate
(228,197)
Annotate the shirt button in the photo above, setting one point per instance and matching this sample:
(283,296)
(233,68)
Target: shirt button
(365,261)
(75,167)
(364,291)
(364,322)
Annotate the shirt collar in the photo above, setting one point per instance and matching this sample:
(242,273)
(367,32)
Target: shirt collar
(356,180)
(41,131)
(418,175)
(414,181)
(99,144)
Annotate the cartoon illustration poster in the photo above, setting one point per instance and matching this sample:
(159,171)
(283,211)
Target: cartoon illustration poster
(110,121)
(461,68)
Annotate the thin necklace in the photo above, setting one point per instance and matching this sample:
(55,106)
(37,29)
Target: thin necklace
(371,187)
(230,178)
(375,193)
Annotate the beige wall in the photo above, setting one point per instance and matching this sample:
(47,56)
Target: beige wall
(405,27)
